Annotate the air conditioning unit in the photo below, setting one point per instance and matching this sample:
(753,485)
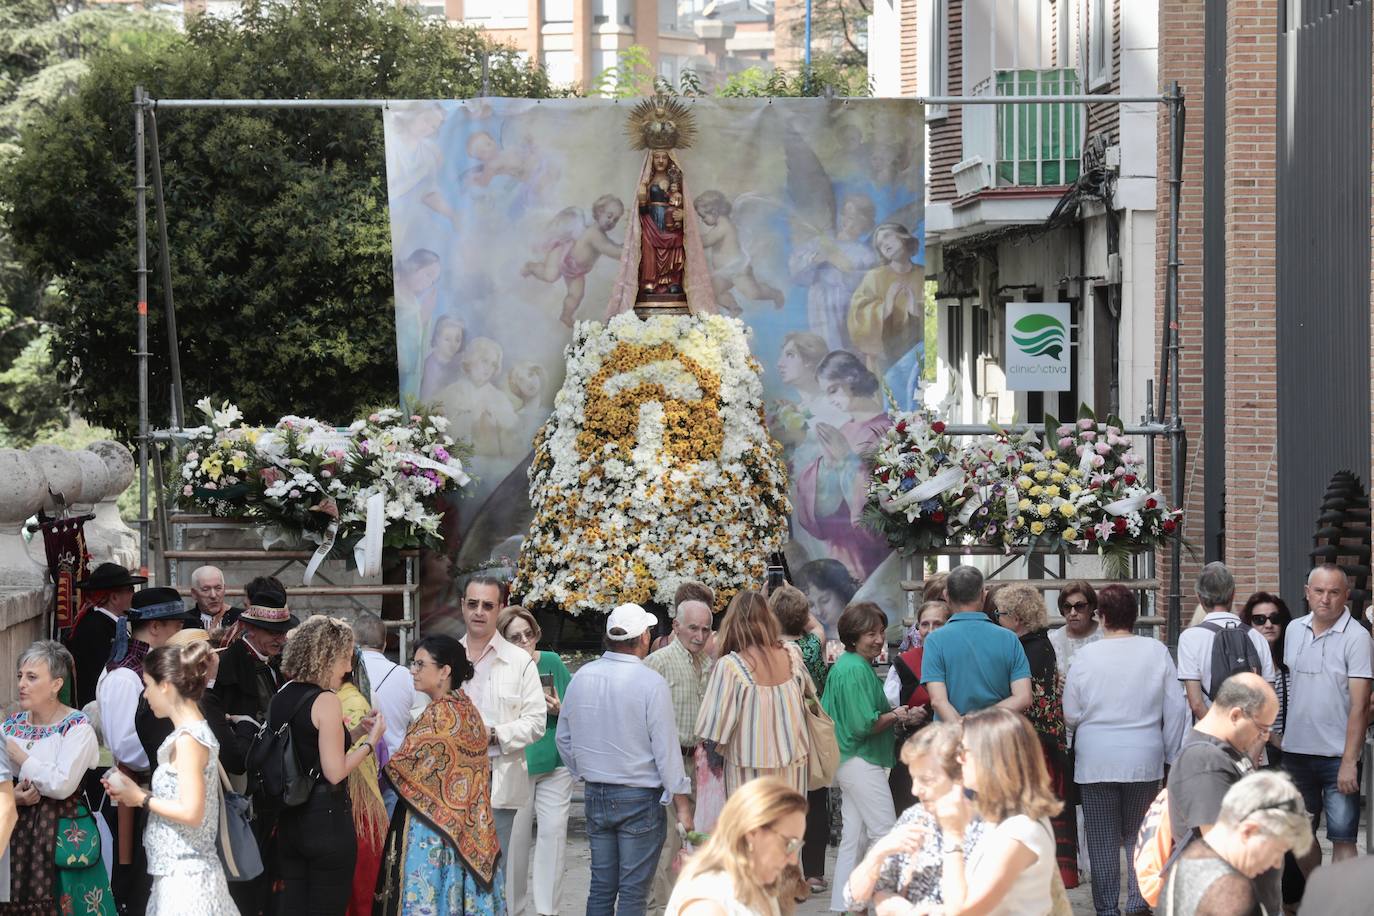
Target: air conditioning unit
(971,176)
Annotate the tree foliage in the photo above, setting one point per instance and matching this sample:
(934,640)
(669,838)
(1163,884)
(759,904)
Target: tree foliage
(277,218)
(44,47)
(839,28)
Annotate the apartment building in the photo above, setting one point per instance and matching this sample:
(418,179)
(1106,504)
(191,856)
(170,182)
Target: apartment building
(577,40)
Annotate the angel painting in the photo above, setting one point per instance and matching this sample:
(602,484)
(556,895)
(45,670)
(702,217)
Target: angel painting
(571,247)
(831,264)
(414,159)
(509,170)
(730,264)
(887,312)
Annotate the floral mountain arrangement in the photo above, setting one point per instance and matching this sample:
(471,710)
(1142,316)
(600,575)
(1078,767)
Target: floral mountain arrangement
(655,467)
(383,475)
(1080,490)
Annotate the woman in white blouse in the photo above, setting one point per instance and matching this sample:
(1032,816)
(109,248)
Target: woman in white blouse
(1124,698)
(50,747)
(1011,871)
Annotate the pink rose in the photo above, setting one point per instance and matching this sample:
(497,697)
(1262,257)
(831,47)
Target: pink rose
(1065,442)
(1080,450)
(1098,461)
(1103,448)
(1089,436)
(1064,429)
(186,490)
(1120,472)
(1113,430)
(1086,423)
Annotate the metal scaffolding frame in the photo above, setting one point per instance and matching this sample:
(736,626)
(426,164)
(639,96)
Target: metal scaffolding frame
(1163,420)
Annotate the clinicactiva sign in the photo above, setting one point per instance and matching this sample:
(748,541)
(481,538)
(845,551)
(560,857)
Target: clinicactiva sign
(1037,346)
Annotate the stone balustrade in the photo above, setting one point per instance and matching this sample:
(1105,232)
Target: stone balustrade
(86,481)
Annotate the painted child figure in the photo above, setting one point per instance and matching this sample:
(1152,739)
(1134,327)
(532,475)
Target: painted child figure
(442,364)
(479,412)
(728,260)
(525,382)
(572,248)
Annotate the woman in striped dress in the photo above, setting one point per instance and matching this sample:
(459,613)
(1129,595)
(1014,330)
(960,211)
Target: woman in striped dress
(752,709)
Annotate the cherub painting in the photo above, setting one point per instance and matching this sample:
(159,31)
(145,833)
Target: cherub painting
(729,262)
(572,246)
(509,170)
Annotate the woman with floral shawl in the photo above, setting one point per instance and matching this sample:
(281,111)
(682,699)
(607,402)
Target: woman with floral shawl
(365,794)
(441,851)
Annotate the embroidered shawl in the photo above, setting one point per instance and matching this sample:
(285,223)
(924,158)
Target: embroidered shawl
(442,770)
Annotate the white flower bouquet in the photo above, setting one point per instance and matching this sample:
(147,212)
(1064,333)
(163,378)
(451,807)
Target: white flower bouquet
(655,467)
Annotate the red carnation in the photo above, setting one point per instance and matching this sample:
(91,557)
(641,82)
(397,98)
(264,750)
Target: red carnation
(1129,478)
(1119,525)
(1150,504)
(937,427)
(884,474)
(1170,525)
(937,516)
(901,426)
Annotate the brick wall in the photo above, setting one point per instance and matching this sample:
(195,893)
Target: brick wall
(908,19)
(1182,44)
(1252,549)
(946,140)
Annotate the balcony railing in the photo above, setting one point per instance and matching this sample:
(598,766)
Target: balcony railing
(1028,145)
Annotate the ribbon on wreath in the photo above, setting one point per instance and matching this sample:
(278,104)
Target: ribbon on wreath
(367,553)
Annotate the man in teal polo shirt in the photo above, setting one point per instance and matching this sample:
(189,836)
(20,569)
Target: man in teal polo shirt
(971,663)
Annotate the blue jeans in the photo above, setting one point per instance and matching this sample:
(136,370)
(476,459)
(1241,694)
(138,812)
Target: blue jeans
(1315,778)
(625,829)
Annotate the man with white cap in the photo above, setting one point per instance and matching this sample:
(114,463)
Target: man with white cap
(616,732)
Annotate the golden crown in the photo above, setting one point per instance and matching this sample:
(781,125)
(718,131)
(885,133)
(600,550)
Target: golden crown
(661,122)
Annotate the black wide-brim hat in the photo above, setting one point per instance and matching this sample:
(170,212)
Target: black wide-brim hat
(158,603)
(108,576)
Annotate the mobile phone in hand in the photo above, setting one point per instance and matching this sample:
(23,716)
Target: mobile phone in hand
(547,681)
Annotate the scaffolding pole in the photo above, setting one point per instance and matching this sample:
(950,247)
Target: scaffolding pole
(1155,421)
(141,205)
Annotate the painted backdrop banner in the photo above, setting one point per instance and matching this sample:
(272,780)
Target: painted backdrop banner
(507,218)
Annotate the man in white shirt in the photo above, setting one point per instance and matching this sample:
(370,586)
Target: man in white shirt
(1329,662)
(393,689)
(1216,591)
(156,614)
(505,689)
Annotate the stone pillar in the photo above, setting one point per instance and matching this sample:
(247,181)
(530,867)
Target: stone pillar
(23,491)
(108,538)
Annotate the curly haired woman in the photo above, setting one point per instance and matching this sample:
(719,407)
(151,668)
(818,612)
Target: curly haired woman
(316,843)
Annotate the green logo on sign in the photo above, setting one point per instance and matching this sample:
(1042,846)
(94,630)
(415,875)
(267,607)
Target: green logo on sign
(1039,335)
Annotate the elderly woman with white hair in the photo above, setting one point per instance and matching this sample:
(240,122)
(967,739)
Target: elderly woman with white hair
(1262,817)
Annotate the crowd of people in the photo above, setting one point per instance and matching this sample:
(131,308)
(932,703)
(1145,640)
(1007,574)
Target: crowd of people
(709,760)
